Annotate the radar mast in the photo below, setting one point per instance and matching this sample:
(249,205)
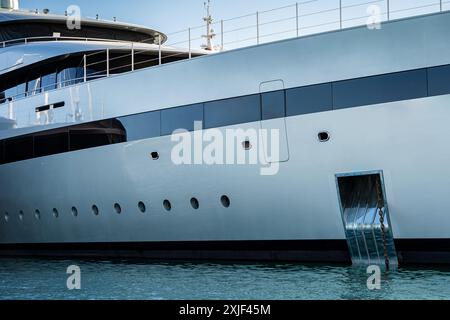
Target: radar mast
(209,31)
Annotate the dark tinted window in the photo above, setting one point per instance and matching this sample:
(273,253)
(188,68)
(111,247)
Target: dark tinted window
(34,87)
(273,105)
(49,143)
(18,149)
(2,160)
(180,118)
(380,89)
(439,80)
(232,111)
(142,126)
(49,82)
(96,134)
(311,99)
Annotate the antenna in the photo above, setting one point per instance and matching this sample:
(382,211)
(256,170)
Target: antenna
(209,31)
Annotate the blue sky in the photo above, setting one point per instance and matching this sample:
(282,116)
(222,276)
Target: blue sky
(174,15)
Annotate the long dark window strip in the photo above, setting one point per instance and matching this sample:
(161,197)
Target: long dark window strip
(278,104)
(380,89)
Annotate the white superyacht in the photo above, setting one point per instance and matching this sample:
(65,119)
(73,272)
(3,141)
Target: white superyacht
(86,146)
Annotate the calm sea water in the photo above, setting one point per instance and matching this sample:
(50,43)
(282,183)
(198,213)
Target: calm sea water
(46,279)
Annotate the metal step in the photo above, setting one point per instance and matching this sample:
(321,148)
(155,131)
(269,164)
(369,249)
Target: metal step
(366,220)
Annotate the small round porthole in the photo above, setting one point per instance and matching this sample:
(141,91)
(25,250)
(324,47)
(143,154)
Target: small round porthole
(95,210)
(55,213)
(154,155)
(323,136)
(21,215)
(225,201)
(6,216)
(246,145)
(167,205)
(141,206)
(195,204)
(37,214)
(74,211)
(118,208)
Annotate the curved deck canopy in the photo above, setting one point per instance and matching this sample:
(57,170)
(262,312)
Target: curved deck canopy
(17,24)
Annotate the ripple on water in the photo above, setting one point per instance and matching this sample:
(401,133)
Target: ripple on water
(102,279)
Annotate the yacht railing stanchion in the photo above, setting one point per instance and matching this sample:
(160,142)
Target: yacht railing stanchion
(159,50)
(388,5)
(107,62)
(190,49)
(84,68)
(440,5)
(257,27)
(132,56)
(297,19)
(221,35)
(340,14)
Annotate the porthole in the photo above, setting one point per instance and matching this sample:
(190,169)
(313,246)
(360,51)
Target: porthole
(155,155)
(95,210)
(6,216)
(225,201)
(118,208)
(194,203)
(246,145)
(142,207)
(167,205)
(55,213)
(323,136)
(74,211)
(37,214)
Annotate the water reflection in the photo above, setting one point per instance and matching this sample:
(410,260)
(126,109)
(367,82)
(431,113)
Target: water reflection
(121,279)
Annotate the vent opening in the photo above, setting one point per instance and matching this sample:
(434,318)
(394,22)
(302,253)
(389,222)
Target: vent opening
(118,208)
(246,145)
(195,204)
(323,136)
(141,206)
(167,205)
(155,155)
(225,201)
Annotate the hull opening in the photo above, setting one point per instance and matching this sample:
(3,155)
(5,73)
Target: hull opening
(366,220)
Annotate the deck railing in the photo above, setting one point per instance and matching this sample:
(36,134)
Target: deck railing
(296,20)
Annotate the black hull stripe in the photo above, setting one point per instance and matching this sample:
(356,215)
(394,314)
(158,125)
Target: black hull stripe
(334,251)
(413,251)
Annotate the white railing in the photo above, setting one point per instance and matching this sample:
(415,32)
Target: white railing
(300,19)
(296,20)
(28,40)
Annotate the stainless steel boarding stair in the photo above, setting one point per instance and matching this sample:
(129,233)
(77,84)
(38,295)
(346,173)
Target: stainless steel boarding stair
(366,220)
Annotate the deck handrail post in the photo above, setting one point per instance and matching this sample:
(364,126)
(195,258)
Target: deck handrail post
(257,27)
(297,19)
(84,68)
(132,56)
(107,62)
(221,35)
(159,50)
(340,14)
(190,45)
(388,5)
